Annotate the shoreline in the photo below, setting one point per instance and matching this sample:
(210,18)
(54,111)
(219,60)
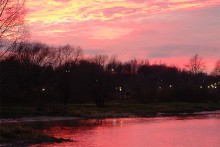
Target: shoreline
(87,111)
(46,119)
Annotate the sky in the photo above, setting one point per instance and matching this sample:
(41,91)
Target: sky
(162,31)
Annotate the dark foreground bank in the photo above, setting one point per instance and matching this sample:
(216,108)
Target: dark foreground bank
(109,110)
(20,135)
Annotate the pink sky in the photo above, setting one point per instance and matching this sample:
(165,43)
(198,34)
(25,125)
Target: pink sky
(170,31)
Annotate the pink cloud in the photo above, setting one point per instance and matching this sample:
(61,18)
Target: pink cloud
(168,30)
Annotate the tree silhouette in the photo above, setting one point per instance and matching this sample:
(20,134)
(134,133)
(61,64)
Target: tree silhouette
(12,29)
(196,65)
(216,71)
(40,74)
(67,58)
(101,80)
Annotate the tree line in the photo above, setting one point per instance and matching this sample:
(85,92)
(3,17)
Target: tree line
(35,73)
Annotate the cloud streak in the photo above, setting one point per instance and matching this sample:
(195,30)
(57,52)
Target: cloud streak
(63,10)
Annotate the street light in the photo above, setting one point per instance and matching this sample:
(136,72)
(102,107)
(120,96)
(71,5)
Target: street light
(120,89)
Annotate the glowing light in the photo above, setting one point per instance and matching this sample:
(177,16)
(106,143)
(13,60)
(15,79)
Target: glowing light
(171,86)
(114,122)
(201,87)
(120,89)
(43,89)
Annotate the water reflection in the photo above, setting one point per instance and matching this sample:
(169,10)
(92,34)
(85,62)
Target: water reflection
(196,131)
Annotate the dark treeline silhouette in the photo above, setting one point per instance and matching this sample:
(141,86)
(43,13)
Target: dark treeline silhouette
(35,73)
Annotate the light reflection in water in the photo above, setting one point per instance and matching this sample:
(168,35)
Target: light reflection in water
(140,132)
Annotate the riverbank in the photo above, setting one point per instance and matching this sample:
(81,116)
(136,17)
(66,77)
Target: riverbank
(16,114)
(87,111)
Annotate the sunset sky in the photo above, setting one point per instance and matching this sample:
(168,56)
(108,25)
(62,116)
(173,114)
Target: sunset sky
(167,31)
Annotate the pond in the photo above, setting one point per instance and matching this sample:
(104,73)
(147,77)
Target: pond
(202,130)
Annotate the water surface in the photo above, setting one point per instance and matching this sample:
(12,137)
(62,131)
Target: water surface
(188,131)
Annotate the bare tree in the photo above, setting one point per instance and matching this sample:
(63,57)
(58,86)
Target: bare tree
(67,56)
(67,53)
(113,65)
(134,65)
(33,53)
(12,14)
(12,29)
(216,71)
(100,86)
(196,65)
(100,60)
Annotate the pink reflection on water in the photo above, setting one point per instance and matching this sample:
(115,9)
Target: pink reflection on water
(140,132)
